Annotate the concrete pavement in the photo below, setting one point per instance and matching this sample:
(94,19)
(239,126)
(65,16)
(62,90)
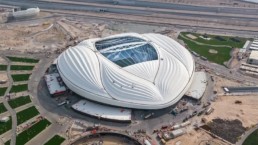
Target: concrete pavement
(225,72)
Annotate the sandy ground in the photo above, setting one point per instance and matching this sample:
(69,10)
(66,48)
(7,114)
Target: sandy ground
(23,63)
(221,82)
(2,61)
(3,76)
(194,138)
(29,36)
(191,36)
(234,63)
(39,36)
(225,108)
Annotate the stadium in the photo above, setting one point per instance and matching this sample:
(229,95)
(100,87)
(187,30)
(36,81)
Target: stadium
(141,71)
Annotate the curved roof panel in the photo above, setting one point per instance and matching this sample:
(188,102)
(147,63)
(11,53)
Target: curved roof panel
(148,71)
(81,68)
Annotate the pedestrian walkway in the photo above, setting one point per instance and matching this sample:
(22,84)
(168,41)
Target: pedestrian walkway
(7,106)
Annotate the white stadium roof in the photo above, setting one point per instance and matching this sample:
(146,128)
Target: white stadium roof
(148,71)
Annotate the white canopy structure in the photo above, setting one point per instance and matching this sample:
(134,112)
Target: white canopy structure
(198,85)
(103,111)
(148,71)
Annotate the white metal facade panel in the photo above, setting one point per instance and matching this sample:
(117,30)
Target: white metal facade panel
(146,70)
(103,111)
(172,76)
(174,48)
(147,85)
(80,67)
(126,87)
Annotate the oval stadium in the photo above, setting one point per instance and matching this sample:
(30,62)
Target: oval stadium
(141,71)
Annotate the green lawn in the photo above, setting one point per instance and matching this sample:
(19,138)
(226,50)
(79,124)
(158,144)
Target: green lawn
(2,91)
(2,108)
(7,143)
(56,140)
(235,42)
(20,77)
(4,127)
(252,139)
(21,59)
(17,102)
(222,56)
(19,88)
(22,67)
(3,67)
(26,114)
(31,132)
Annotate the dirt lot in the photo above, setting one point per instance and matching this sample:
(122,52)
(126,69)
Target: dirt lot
(194,138)
(28,36)
(221,82)
(55,34)
(3,76)
(225,108)
(2,61)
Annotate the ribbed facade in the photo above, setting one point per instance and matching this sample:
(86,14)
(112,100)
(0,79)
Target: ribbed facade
(128,72)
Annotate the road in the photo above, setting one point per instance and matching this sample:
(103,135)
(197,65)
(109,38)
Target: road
(144,12)
(132,6)
(227,73)
(147,4)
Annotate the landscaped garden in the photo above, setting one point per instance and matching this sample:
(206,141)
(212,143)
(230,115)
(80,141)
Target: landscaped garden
(231,41)
(22,67)
(2,91)
(31,132)
(3,67)
(2,108)
(5,126)
(215,48)
(7,143)
(19,88)
(20,77)
(56,140)
(17,102)
(20,59)
(26,114)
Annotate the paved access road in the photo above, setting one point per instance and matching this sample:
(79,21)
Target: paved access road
(140,3)
(227,73)
(59,5)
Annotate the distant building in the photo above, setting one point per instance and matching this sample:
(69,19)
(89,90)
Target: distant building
(55,84)
(254,45)
(253,58)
